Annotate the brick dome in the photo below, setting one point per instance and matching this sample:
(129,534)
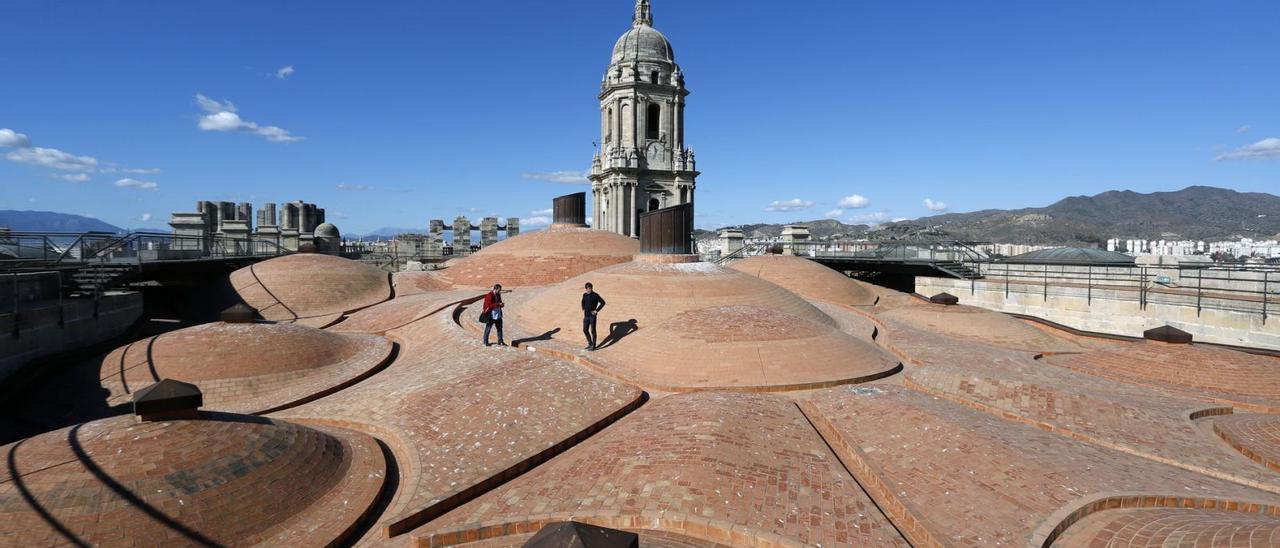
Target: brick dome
(700,326)
(245,368)
(312,288)
(218,480)
(541,258)
(806,278)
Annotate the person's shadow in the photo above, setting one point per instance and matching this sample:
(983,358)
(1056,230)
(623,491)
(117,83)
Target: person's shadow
(543,337)
(617,330)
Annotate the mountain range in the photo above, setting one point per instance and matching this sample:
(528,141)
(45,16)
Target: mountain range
(1193,213)
(49,221)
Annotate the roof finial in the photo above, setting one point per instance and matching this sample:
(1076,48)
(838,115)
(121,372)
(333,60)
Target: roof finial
(643,15)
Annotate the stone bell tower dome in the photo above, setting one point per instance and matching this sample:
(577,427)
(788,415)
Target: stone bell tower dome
(642,163)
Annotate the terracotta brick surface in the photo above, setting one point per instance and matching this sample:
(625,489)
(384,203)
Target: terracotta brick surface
(403,310)
(541,258)
(1250,382)
(1256,436)
(224,479)
(699,327)
(807,279)
(702,465)
(974,324)
(310,285)
(413,283)
(958,476)
(457,414)
(244,368)
(648,539)
(1166,528)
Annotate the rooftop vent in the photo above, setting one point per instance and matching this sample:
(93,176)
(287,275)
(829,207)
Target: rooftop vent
(945,299)
(667,231)
(168,400)
(239,313)
(570,534)
(1168,334)
(570,209)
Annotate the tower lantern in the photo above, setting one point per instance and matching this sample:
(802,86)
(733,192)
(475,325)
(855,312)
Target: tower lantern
(642,164)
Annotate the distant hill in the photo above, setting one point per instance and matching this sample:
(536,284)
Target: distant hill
(1193,213)
(49,221)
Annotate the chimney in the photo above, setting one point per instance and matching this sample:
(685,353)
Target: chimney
(570,209)
(167,400)
(667,231)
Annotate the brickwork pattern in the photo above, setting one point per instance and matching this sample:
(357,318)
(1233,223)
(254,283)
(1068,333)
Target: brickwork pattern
(541,258)
(741,469)
(975,325)
(960,476)
(1256,436)
(403,310)
(222,479)
(278,364)
(699,326)
(807,279)
(310,285)
(1167,528)
(457,414)
(413,283)
(1250,382)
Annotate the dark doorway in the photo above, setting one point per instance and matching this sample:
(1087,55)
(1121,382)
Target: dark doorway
(653,204)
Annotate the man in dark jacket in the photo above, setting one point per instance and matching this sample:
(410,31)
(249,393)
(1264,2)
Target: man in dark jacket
(492,313)
(592,303)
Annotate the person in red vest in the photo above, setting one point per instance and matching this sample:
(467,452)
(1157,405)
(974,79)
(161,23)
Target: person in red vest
(492,313)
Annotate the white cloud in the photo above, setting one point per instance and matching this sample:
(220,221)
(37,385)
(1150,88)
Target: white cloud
(567,177)
(1243,129)
(213,107)
(932,205)
(794,204)
(1266,149)
(134,183)
(285,72)
(854,201)
(54,158)
(11,138)
(111,168)
(542,212)
(221,116)
(145,217)
(899,219)
(73,177)
(834,214)
(353,187)
(873,218)
(535,221)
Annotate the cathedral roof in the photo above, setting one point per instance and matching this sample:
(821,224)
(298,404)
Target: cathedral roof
(643,42)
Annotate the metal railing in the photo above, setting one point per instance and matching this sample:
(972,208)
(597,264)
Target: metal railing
(27,250)
(960,258)
(1253,289)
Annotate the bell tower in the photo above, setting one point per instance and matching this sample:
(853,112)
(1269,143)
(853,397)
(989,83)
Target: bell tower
(642,163)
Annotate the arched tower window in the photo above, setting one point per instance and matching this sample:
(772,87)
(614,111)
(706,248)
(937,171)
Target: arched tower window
(608,130)
(653,118)
(653,204)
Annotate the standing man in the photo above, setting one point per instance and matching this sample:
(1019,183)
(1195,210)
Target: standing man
(592,303)
(492,313)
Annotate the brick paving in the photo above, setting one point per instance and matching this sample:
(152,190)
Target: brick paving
(310,285)
(960,476)
(413,283)
(1169,528)
(701,327)
(275,364)
(1247,381)
(541,258)
(743,469)
(1256,436)
(403,310)
(807,279)
(458,415)
(223,479)
(975,325)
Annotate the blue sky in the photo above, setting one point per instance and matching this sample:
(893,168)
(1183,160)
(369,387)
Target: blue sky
(393,113)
